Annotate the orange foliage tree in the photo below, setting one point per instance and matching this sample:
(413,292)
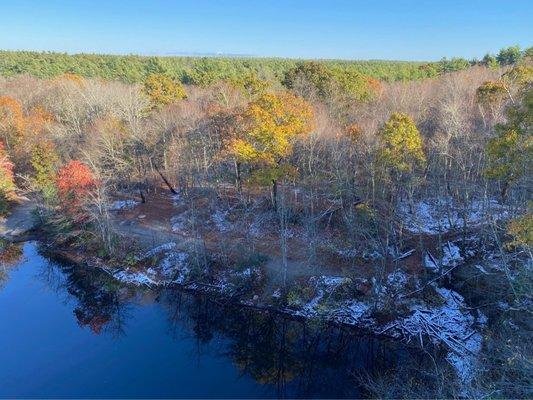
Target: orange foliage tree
(21,132)
(11,120)
(36,121)
(75,182)
(7,185)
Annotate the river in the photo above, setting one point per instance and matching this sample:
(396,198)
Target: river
(67,331)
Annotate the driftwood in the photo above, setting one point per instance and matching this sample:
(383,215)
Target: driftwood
(405,255)
(172,190)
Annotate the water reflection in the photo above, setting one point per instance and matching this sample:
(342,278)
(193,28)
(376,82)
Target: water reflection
(10,255)
(295,359)
(286,358)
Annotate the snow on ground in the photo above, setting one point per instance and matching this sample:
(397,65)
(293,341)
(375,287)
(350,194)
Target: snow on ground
(347,253)
(433,216)
(179,223)
(350,312)
(397,279)
(122,205)
(323,285)
(176,199)
(157,250)
(174,267)
(448,325)
(171,268)
(451,257)
(219,219)
(430,262)
(134,278)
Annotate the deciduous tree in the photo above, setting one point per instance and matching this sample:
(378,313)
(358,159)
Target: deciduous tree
(402,144)
(270,126)
(45,161)
(162,90)
(7,185)
(75,182)
(510,152)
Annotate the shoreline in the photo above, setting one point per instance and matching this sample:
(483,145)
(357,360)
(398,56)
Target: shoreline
(445,323)
(407,328)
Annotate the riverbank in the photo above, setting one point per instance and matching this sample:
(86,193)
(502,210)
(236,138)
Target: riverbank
(110,340)
(402,306)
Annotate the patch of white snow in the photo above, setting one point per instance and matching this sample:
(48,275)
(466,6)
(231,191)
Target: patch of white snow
(122,205)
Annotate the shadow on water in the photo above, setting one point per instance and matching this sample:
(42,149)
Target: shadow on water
(265,354)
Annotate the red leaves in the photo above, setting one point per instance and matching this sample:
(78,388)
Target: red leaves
(74,183)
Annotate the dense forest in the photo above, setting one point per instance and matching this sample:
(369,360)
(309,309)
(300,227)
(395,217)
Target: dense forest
(189,70)
(207,70)
(409,183)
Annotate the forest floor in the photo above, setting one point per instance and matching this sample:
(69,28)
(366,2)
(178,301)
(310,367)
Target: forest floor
(164,218)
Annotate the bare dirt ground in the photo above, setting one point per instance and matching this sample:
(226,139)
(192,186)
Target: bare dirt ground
(165,218)
(150,224)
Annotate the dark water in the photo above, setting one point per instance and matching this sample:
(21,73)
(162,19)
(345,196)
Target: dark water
(68,332)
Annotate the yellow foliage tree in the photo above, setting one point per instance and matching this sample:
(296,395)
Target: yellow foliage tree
(162,90)
(491,92)
(44,161)
(521,231)
(402,145)
(510,151)
(270,126)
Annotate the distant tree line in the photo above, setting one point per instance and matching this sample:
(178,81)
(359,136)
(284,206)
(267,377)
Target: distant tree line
(204,71)
(189,70)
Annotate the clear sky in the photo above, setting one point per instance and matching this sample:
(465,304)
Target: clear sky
(375,29)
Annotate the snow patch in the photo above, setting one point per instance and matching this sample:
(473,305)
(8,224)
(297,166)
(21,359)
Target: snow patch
(323,285)
(446,325)
(174,267)
(134,278)
(397,280)
(430,262)
(451,256)
(176,199)
(157,250)
(433,216)
(350,312)
(219,219)
(122,205)
(347,253)
(180,223)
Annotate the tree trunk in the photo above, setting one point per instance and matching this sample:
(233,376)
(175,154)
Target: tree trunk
(238,182)
(165,180)
(275,194)
(505,188)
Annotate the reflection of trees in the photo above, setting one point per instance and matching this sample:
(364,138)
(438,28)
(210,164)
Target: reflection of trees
(100,302)
(10,255)
(290,358)
(98,305)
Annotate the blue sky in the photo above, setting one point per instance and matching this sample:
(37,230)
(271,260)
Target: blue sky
(400,29)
